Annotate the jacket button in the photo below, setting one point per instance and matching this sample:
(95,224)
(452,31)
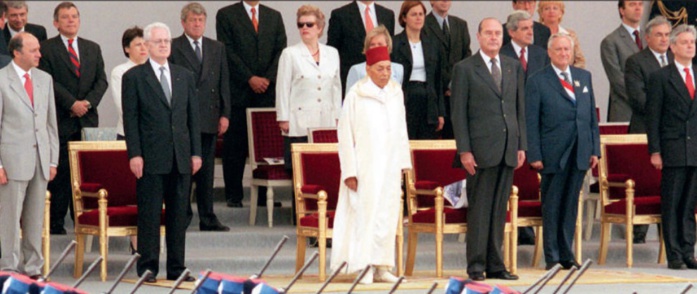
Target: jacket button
(319,88)
(212,90)
(319,100)
(319,76)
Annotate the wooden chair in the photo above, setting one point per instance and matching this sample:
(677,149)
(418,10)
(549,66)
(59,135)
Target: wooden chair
(630,189)
(317,177)
(322,135)
(432,170)
(104,196)
(265,142)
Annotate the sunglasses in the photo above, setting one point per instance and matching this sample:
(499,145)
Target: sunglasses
(307,24)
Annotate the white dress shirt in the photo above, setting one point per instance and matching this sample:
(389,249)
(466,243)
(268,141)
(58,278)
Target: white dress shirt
(156,67)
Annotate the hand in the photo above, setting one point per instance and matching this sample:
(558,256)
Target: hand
(223,124)
(3,177)
(594,161)
(467,160)
(195,164)
(441,122)
(52,173)
(537,165)
(79,108)
(136,164)
(657,161)
(447,93)
(352,183)
(284,125)
(521,159)
(258,84)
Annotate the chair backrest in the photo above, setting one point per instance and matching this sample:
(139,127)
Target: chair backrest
(264,136)
(432,161)
(627,157)
(105,163)
(527,180)
(98,134)
(611,128)
(322,135)
(317,164)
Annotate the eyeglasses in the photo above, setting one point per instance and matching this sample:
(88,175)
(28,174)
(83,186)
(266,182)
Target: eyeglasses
(307,24)
(161,41)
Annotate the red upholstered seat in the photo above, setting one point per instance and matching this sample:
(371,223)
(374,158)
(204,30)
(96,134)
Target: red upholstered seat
(529,209)
(528,183)
(625,161)
(643,205)
(426,185)
(324,171)
(324,135)
(271,172)
(123,216)
(108,169)
(312,220)
(452,215)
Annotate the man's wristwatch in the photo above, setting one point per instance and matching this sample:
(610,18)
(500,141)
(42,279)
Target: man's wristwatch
(89,105)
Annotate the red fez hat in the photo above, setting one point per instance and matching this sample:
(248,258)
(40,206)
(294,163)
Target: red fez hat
(376,54)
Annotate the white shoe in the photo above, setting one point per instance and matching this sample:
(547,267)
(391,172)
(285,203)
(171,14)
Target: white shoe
(385,276)
(367,278)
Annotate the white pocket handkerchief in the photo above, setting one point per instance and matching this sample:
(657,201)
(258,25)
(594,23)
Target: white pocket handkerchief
(585,89)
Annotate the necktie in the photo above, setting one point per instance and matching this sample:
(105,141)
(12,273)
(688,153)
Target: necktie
(663,60)
(566,77)
(689,83)
(197,50)
(496,73)
(29,87)
(164,82)
(73,57)
(368,21)
(446,32)
(255,22)
(637,39)
(523,62)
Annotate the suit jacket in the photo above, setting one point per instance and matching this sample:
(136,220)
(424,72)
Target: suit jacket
(37,30)
(25,127)
(672,118)
(401,53)
(487,121)
(637,71)
(614,51)
(212,79)
(250,53)
(537,57)
(556,122)
(346,33)
(457,49)
(68,87)
(156,130)
(541,34)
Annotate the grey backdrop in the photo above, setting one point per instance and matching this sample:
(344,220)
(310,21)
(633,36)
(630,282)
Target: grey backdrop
(105,21)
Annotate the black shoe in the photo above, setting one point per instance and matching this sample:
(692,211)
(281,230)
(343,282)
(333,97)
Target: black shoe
(550,265)
(234,203)
(567,265)
(215,227)
(151,279)
(263,204)
(691,263)
(676,265)
(639,239)
(502,275)
(477,276)
(132,249)
(58,231)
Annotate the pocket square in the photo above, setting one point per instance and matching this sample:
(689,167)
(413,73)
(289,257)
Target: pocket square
(585,89)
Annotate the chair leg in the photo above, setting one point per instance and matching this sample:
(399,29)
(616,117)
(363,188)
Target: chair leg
(439,255)
(79,255)
(629,239)
(507,251)
(254,191)
(322,244)
(604,240)
(662,250)
(400,243)
(514,250)
(104,251)
(590,218)
(269,205)
(537,253)
(412,241)
(300,252)
(579,232)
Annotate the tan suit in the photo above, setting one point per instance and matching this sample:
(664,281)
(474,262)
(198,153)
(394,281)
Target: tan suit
(28,148)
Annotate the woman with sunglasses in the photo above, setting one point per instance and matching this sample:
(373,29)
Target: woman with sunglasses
(308,85)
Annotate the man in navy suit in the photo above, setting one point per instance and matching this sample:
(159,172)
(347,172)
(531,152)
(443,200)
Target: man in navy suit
(532,57)
(563,143)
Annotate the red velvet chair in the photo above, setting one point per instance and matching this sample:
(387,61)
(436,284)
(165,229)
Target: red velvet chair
(322,135)
(428,213)
(265,142)
(630,189)
(104,196)
(316,177)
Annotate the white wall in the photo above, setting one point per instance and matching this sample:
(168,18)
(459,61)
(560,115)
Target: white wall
(105,21)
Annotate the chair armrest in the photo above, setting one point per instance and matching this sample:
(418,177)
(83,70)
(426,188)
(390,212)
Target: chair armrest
(91,187)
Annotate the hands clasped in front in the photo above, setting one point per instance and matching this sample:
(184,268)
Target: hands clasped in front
(136,165)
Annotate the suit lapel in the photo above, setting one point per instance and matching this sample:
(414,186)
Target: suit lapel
(246,21)
(151,79)
(64,55)
(432,22)
(555,83)
(508,78)
(207,59)
(356,14)
(678,84)
(177,90)
(405,50)
(483,71)
(184,47)
(628,40)
(17,86)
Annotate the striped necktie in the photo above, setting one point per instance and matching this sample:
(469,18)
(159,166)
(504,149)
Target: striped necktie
(73,57)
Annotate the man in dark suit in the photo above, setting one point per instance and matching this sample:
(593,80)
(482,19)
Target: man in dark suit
(672,125)
(17,12)
(161,124)
(252,55)
(563,143)
(453,34)
(206,59)
(489,124)
(79,82)
(3,40)
(347,29)
(636,74)
(541,33)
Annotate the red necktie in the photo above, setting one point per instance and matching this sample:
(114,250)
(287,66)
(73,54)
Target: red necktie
(73,57)
(637,39)
(255,22)
(689,83)
(368,21)
(523,62)
(29,87)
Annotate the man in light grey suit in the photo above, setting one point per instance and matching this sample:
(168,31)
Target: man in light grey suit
(28,154)
(614,51)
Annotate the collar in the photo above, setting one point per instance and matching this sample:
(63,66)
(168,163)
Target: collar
(20,71)
(248,7)
(156,66)
(517,48)
(440,19)
(191,40)
(631,30)
(13,32)
(681,68)
(487,59)
(559,71)
(362,6)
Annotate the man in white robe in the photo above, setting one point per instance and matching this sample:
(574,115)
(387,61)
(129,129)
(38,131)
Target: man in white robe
(373,150)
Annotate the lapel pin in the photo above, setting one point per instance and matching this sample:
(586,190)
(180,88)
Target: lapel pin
(577,84)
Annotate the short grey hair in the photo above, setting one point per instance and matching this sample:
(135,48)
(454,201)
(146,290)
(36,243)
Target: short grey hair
(195,8)
(683,28)
(657,21)
(17,4)
(147,31)
(560,35)
(515,17)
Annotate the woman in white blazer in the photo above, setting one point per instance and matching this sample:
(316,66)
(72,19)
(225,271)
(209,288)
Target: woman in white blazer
(308,86)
